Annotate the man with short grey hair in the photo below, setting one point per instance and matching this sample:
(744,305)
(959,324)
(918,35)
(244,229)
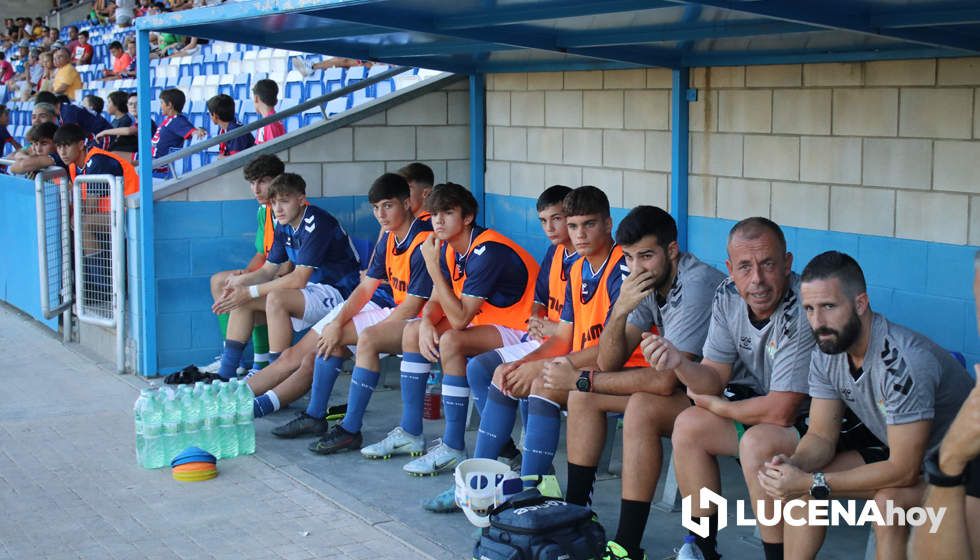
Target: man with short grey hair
(66,78)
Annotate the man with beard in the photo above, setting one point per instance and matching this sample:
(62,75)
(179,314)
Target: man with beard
(901,385)
(668,292)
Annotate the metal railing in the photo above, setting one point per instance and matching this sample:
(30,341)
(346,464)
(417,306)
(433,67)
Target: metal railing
(100,260)
(167,160)
(54,252)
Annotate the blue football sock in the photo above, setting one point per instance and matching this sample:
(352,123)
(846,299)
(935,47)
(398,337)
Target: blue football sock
(265,404)
(479,374)
(325,372)
(496,424)
(523,406)
(273,356)
(362,384)
(414,375)
(455,401)
(230,356)
(541,436)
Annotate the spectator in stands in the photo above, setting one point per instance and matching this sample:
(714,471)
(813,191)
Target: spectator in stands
(94,104)
(83,50)
(953,477)
(122,125)
(69,113)
(144,7)
(121,61)
(6,69)
(221,107)
(105,10)
(125,12)
(265,95)
(130,71)
(50,38)
(304,68)
(72,38)
(326,272)
(173,131)
(43,112)
(5,137)
(38,30)
(129,133)
(40,154)
(66,78)
(46,81)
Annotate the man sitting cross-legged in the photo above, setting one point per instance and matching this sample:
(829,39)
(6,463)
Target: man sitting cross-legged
(326,272)
(593,286)
(300,358)
(364,319)
(482,292)
(903,387)
(752,412)
(671,292)
(549,298)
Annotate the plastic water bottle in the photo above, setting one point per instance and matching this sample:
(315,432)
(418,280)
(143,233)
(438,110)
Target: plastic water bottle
(227,428)
(689,551)
(139,414)
(243,419)
(183,396)
(190,415)
(154,453)
(171,424)
(209,406)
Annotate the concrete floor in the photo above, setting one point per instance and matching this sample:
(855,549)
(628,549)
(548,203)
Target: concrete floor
(381,488)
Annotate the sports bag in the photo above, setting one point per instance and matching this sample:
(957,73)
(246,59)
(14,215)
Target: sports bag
(530,526)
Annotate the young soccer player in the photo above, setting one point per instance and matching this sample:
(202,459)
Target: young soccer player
(364,321)
(482,294)
(326,270)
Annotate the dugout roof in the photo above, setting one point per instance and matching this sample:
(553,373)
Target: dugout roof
(467,36)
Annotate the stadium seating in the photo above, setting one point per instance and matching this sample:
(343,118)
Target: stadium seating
(219,67)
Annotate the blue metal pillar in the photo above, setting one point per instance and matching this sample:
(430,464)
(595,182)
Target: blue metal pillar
(147,270)
(478,150)
(679,148)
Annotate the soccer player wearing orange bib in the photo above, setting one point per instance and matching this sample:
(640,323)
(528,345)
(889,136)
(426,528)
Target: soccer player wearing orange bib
(482,294)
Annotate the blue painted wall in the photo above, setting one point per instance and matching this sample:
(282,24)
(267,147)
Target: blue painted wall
(19,279)
(196,239)
(925,286)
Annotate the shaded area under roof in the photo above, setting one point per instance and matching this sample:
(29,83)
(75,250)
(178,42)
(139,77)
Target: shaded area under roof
(467,36)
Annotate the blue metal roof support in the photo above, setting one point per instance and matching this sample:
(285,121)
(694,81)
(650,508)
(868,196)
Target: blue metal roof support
(478,142)
(144,242)
(679,152)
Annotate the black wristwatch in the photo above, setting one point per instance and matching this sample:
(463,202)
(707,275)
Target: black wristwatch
(584,382)
(819,488)
(937,477)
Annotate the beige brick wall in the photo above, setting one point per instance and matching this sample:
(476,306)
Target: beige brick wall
(886,148)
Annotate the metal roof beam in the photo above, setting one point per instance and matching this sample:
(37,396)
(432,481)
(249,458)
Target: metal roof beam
(515,36)
(537,11)
(836,16)
(322,33)
(679,32)
(950,16)
(742,58)
(389,51)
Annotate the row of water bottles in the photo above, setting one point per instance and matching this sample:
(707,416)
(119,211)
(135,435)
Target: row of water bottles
(216,417)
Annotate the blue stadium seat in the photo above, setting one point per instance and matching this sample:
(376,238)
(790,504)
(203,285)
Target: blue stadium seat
(333,78)
(311,116)
(338,105)
(295,86)
(354,75)
(242,88)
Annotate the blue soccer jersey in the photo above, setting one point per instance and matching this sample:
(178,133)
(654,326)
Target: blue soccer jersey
(494,272)
(170,137)
(235,145)
(91,123)
(320,243)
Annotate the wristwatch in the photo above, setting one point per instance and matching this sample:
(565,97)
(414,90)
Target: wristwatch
(819,488)
(937,477)
(584,382)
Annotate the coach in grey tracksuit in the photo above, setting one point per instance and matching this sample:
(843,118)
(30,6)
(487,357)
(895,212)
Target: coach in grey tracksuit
(902,386)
